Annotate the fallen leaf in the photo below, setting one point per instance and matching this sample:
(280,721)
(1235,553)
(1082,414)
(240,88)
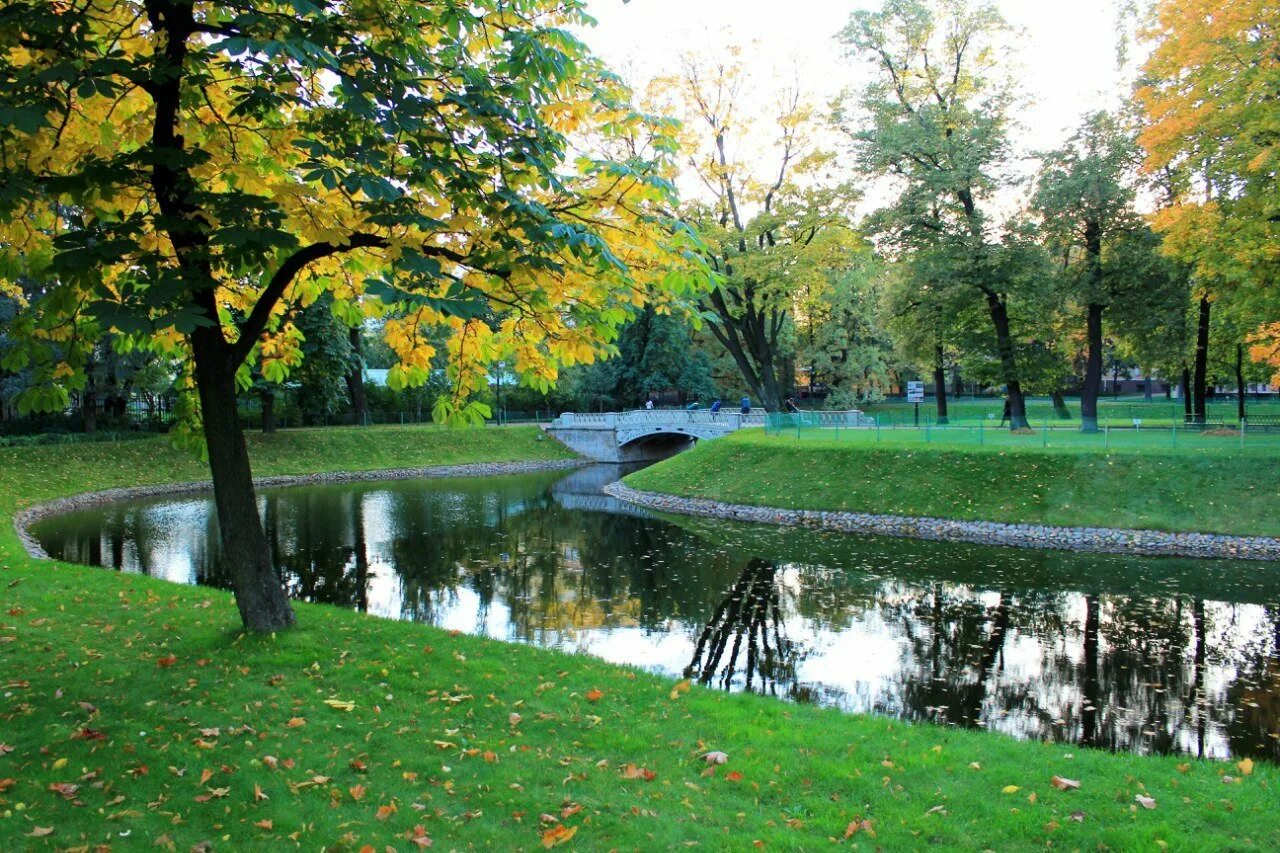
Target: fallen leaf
(257,793)
(1183,768)
(166,661)
(1245,766)
(631,771)
(40,832)
(386,811)
(357,792)
(681,687)
(1078,817)
(296,722)
(265,824)
(857,825)
(66,790)
(1145,801)
(1010,789)
(558,834)
(733,776)
(1064,784)
(594,695)
(340,704)
(514,719)
(6,784)
(418,835)
(715,757)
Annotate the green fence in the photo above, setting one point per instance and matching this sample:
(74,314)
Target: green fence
(1214,437)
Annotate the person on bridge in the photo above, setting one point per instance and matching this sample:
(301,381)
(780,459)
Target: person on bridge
(746,405)
(792,408)
(715,407)
(648,404)
(692,406)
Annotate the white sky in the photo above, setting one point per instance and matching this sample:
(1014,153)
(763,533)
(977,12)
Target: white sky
(1067,48)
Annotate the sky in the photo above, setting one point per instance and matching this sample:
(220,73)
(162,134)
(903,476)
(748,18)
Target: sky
(1066,50)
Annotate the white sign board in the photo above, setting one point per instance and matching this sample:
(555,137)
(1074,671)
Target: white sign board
(915,392)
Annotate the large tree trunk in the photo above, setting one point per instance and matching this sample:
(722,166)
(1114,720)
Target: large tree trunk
(1092,369)
(1202,362)
(940,383)
(1008,361)
(259,594)
(1060,406)
(1240,386)
(269,412)
(355,381)
(1186,393)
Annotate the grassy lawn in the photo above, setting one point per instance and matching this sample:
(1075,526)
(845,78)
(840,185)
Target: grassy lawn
(1119,411)
(133,714)
(1206,484)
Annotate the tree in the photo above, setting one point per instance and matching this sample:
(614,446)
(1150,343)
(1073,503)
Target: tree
(935,122)
(770,235)
(1085,195)
(1212,124)
(186,173)
(1211,115)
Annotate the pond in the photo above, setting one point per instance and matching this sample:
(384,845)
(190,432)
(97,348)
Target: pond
(1124,653)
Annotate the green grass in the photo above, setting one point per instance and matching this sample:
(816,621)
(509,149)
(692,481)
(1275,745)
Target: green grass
(1201,486)
(175,729)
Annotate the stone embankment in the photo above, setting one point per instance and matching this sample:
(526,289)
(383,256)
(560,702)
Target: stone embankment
(26,517)
(1089,539)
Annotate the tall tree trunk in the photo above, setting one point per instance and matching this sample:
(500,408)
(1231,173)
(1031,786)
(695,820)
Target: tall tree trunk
(1146,385)
(1092,369)
(1186,393)
(355,381)
(259,594)
(1202,361)
(269,412)
(89,399)
(1240,386)
(940,383)
(1060,406)
(1008,361)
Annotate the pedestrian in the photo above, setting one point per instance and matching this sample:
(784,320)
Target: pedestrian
(746,405)
(692,406)
(792,408)
(1007,415)
(648,404)
(715,407)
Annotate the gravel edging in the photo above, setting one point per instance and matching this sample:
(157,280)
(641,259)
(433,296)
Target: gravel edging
(1156,543)
(24,518)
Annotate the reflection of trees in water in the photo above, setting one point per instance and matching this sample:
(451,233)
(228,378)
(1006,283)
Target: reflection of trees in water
(1130,674)
(1001,643)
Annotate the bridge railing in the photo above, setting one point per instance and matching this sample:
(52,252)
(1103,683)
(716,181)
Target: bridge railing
(724,419)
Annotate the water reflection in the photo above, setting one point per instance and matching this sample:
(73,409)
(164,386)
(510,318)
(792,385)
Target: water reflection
(1120,653)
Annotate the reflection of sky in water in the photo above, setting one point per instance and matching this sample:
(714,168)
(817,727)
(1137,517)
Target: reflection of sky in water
(1149,655)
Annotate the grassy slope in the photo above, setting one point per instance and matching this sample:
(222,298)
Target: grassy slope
(182,713)
(1187,489)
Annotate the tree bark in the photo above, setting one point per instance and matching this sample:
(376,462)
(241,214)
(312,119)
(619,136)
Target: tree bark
(1060,406)
(268,412)
(1186,393)
(1008,361)
(355,381)
(1202,361)
(1092,387)
(1240,386)
(259,594)
(940,383)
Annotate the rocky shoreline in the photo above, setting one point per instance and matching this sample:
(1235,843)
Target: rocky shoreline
(24,518)
(1156,543)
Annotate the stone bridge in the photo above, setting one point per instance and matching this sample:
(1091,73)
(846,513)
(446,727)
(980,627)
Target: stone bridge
(649,434)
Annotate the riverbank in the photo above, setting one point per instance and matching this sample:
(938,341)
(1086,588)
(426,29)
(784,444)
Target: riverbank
(134,713)
(1173,490)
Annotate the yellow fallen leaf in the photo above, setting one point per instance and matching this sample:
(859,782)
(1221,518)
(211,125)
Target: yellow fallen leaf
(296,722)
(1245,766)
(1010,789)
(558,834)
(340,704)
